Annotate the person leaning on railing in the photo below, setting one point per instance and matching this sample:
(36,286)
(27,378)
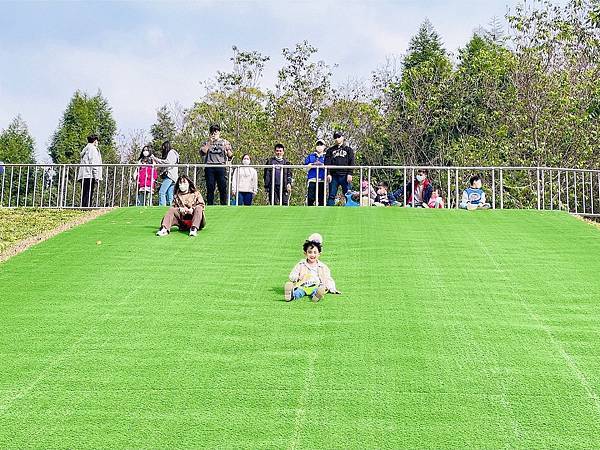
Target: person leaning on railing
(339,155)
(216,151)
(89,175)
(169,174)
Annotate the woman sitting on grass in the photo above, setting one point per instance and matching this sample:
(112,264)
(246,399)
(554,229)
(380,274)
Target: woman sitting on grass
(187,211)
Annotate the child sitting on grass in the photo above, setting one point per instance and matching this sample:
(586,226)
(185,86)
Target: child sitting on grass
(474,197)
(310,277)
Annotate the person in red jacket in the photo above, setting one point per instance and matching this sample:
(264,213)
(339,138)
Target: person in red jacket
(418,191)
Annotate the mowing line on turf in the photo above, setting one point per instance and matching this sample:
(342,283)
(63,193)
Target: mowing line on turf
(5,407)
(486,361)
(571,363)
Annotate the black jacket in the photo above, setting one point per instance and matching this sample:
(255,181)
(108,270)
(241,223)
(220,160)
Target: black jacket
(339,156)
(270,173)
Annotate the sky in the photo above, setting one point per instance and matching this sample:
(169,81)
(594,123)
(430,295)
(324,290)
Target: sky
(144,54)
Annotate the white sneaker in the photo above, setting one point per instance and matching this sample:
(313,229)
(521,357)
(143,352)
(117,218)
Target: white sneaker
(162,232)
(193,232)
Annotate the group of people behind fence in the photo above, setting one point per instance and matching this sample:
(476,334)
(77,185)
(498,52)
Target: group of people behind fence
(328,171)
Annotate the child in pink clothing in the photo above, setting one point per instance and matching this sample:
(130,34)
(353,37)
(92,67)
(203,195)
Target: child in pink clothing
(436,200)
(146,176)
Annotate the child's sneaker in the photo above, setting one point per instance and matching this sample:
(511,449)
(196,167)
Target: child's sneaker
(162,232)
(288,291)
(319,294)
(193,232)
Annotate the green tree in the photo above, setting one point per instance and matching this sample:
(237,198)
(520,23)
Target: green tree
(16,144)
(84,116)
(301,94)
(424,47)
(234,101)
(482,95)
(416,106)
(163,129)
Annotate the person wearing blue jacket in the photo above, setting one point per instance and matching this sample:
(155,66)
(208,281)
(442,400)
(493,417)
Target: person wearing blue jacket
(316,175)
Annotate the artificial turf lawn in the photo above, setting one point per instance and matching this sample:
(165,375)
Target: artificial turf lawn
(454,329)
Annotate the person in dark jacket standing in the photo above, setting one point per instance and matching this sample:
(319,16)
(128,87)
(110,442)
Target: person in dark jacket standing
(216,151)
(339,155)
(316,175)
(278,179)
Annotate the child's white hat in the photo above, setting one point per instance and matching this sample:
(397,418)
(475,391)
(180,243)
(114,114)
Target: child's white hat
(316,237)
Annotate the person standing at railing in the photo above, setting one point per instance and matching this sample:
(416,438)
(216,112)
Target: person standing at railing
(216,151)
(169,174)
(245,182)
(339,155)
(316,175)
(1,167)
(90,172)
(278,179)
(145,176)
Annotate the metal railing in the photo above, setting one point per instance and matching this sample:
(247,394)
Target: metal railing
(576,191)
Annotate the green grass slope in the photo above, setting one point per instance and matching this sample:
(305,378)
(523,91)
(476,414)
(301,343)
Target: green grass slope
(454,329)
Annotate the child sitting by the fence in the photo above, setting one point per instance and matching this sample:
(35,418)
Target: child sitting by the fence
(474,197)
(383,197)
(436,200)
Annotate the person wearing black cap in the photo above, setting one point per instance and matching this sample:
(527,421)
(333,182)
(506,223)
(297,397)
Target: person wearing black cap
(316,175)
(339,155)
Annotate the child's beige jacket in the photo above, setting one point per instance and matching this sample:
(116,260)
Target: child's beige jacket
(301,271)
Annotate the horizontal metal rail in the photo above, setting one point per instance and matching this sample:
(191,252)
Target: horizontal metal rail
(573,190)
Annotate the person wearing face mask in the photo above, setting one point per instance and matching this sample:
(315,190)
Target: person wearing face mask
(316,175)
(145,176)
(187,211)
(278,179)
(474,196)
(339,155)
(245,182)
(418,191)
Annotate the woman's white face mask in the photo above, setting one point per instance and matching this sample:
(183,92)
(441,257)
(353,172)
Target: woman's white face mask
(420,178)
(146,153)
(245,161)
(183,187)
